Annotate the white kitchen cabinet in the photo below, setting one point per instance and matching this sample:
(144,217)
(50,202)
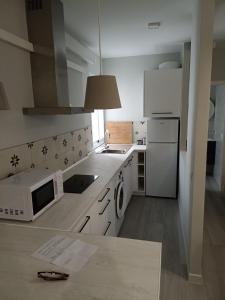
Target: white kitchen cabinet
(135,174)
(138,172)
(84,226)
(111,219)
(100,224)
(105,214)
(130,168)
(162,93)
(100,218)
(125,171)
(128,179)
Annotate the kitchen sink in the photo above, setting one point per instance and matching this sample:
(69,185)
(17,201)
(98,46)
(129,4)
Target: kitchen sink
(115,149)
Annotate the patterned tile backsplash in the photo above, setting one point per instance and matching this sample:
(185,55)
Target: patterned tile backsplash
(58,152)
(139,130)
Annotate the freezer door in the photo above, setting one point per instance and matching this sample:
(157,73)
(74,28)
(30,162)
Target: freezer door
(163,130)
(161,170)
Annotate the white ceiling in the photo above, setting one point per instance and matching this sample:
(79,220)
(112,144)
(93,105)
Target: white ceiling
(124,25)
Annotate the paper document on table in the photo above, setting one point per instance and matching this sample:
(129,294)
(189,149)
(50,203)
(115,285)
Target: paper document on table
(65,252)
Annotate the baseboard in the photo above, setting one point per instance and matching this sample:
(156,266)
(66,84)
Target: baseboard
(217,183)
(195,278)
(182,234)
(138,194)
(192,278)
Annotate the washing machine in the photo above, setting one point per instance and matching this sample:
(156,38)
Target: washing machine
(120,204)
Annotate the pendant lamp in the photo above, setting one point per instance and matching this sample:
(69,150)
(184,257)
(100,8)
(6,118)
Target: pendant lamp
(101,90)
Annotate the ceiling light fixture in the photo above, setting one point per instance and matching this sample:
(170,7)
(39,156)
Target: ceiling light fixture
(101,90)
(154,25)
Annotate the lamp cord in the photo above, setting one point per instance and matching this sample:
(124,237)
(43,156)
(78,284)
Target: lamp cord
(99,36)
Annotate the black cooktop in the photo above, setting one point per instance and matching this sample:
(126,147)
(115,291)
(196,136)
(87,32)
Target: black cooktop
(78,183)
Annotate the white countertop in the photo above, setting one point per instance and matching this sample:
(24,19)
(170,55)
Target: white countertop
(68,211)
(121,269)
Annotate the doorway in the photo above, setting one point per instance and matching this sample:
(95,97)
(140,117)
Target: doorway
(215,170)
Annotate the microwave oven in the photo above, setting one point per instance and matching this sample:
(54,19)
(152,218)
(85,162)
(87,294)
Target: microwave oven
(26,195)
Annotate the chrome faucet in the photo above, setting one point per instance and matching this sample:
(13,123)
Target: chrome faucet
(106,138)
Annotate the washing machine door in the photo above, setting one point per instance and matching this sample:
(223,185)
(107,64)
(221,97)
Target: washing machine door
(120,200)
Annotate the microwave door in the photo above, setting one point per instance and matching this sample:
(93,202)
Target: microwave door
(42,197)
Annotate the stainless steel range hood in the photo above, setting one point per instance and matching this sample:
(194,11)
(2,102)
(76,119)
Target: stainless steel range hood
(45,20)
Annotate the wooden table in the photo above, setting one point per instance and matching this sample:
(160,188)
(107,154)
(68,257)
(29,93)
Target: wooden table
(121,269)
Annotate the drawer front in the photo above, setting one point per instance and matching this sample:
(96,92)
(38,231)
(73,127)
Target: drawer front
(105,194)
(102,221)
(99,219)
(84,226)
(111,218)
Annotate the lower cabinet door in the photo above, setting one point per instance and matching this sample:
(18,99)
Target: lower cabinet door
(111,218)
(134,180)
(101,217)
(103,222)
(108,229)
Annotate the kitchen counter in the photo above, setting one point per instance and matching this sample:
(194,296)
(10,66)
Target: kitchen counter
(121,269)
(69,210)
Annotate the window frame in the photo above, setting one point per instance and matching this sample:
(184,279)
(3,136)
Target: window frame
(101,141)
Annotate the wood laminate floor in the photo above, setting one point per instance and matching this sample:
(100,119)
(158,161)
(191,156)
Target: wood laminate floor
(157,219)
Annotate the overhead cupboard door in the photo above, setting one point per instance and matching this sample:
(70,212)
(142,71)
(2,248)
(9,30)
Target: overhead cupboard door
(162,93)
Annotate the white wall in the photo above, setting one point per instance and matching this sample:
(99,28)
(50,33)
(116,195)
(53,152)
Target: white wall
(193,163)
(183,202)
(15,73)
(129,73)
(186,57)
(219,127)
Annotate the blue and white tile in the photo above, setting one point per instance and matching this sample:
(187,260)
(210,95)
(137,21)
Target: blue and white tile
(89,143)
(6,167)
(38,151)
(66,160)
(63,143)
(48,148)
(81,151)
(79,137)
(14,160)
(52,152)
(139,130)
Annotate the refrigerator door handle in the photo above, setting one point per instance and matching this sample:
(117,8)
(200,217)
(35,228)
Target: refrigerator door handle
(162,142)
(162,113)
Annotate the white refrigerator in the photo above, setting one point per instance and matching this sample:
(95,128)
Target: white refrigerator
(162,157)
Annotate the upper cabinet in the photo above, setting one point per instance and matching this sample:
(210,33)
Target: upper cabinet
(162,93)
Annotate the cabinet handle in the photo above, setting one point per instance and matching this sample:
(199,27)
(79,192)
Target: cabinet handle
(107,228)
(102,212)
(85,223)
(126,164)
(129,161)
(107,190)
(162,113)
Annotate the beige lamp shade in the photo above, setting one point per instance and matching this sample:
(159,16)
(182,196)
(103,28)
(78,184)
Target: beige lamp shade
(102,92)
